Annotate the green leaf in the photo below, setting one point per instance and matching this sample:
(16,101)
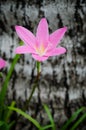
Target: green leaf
(11,124)
(1,75)
(9,112)
(1,123)
(5,85)
(79,121)
(21,43)
(72,118)
(4,125)
(3,110)
(47,127)
(26,116)
(50,116)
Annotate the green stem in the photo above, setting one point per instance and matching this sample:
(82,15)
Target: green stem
(32,92)
(38,66)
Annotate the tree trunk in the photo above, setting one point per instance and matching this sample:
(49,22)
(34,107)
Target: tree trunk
(62,83)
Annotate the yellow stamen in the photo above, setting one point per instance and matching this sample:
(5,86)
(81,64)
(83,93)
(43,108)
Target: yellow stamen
(40,50)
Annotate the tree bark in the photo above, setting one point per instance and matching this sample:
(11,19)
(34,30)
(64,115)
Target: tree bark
(62,83)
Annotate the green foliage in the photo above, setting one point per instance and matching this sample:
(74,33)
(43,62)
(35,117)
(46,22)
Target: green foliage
(6,82)
(73,117)
(9,112)
(35,122)
(5,85)
(4,125)
(50,117)
(1,75)
(78,122)
(4,112)
(19,111)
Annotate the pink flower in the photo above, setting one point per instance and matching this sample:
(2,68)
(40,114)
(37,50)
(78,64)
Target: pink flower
(43,45)
(2,63)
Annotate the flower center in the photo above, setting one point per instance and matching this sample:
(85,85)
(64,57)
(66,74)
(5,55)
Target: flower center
(40,50)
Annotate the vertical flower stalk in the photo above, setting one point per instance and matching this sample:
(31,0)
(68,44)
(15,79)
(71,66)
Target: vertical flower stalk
(38,67)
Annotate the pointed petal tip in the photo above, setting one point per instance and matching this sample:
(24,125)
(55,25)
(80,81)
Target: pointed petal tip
(43,19)
(65,29)
(64,50)
(42,34)
(17,27)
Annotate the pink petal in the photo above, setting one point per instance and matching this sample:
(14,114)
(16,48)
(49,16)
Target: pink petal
(56,36)
(56,51)
(2,63)
(24,49)
(25,35)
(42,32)
(39,58)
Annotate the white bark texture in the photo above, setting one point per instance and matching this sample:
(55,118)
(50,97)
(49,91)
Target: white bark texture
(63,79)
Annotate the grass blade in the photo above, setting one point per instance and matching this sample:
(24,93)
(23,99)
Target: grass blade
(19,111)
(9,111)
(78,122)
(47,127)
(72,118)
(5,85)
(50,116)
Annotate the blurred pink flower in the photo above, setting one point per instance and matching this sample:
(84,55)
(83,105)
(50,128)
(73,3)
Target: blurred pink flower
(2,63)
(43,45)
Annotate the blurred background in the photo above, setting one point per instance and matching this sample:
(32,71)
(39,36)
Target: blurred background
(62,83)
